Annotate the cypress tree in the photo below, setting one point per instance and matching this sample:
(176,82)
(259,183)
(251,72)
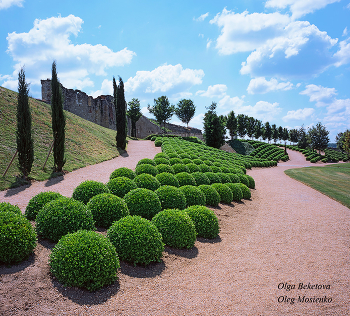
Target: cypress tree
(58,121)
(120,111)
(24,128)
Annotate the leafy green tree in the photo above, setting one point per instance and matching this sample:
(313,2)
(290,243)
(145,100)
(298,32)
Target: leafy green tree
(274,131)
(250,126)
(293,135)
(162,110)
(346,142)
(258,129)
(340,140)
(185,110)
(58,121)
(318,136)
(280,132)
(24,128)
(134,113)
(241,125)
(302,138)
(284,136)
(214,128)
(120,111)
(231,124)
(268,131)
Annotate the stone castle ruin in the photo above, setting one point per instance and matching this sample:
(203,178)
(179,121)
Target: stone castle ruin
(101,111)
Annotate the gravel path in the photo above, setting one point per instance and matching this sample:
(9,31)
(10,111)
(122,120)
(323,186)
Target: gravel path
(285,235)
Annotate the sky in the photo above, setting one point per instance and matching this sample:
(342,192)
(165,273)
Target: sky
(286,62)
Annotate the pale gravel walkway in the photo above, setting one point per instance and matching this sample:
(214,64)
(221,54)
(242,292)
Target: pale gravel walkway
(288,233)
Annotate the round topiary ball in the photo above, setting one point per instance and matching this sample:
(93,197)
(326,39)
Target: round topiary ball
(84,259)
(165,168)
(161,155)
(197,161)
(107,208)
(185,178)
(204,168)
(251,182)
(160,161)
(194,196)
(136,240)
(236,191)
(225,178)
(62,216)
(200,178)
(87,189)
(146,168)
(212,197)
(205,221)
(213,177)
(180,167)
(186,161)
(224,192)
(174,161)
(215,169)
(166,178)
(176,227)
(7,207)
(122,172)
(245,190)
(146,161)
(143,202)
(234,177)
(37,202)
(192,167)
(243,179)
(121,186)
(17,237)
(170,196)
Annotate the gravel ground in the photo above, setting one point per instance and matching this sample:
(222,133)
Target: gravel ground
(284,252)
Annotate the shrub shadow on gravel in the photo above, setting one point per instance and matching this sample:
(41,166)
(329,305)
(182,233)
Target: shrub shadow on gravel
(209,241)
(151,270)
(186,253)
(14,268)
(46,243)
(84,297)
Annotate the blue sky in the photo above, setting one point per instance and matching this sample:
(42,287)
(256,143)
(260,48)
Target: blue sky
(282,61)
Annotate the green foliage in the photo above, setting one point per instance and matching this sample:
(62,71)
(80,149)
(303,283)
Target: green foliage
(185,110)
(122,172)
(185,178)
(214,128)
(146,168)
(147,181)
(161,155)
(236,191)
(120,105)
(162,110)
(231,124)
(17,237)
(143,202)
(163,161)
(175,160)
(251,182)
(121,186)
(245,190)
(213,177)
(158,142)
(107,208)
(197,161)
(171,196)
(243,179)
(212,196)
(24,128)
(318,137)
(194,196)
(225,178)
(165,168)
(180,167)
(7,207)
(62,216)
(205,168)
(87,189)
(200,178)
(146,161)
(166,178)
(205,221)
(37,202)
(84,259)
(136,240)
(134,113)
(224,192)
(176,227)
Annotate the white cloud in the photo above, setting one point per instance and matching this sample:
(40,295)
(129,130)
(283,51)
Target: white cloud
(202,17)
(145,112)
(106,89)
(4,4)
(49,40)
(164,79)
(209,42)
(299,8)
(342,56)
(244,32)
(340,106)
(345,32)
(215,91)
(320,95)
(261,85)
(302,52)
(230,103)
(300,114)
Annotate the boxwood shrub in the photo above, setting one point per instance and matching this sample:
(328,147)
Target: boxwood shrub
(200,178)
(225,178)
(185,156)
(146,168)
(243,179)
(194,196)
(107,208)
(143,202)
(84,259)
(192,167)
(245,190)
(158,142)
(161,155)
(87,189)
(180,167)
(136,240)
(7,207)
(147,181)
(165,168)
(251,182)
(17,237)
(205,168)
(171,196)
(215,169)
(122,172)
(159,161)
(174,161)
(197,161)
(176,227)
(236,191)
(212,196)
(234,177)
(62,216)
(166,178)
(172,155)
(224,192)
(146,161)
(185,178)
(121,186)
(37,202)
(213,177)
(204,220)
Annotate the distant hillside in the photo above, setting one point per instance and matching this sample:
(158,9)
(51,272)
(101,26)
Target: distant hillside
(86,143)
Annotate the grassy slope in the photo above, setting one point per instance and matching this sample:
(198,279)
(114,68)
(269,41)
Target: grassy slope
(331,180)
(86,143)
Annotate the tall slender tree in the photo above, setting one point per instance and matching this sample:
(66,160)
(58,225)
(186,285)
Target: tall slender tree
(214,128)
(268,131)
(241,125)
(24,128)
(250,123)
(58,121)
(274,132)
(258,129)
(231,124)
(134,113)
(346,142)
(303,141)
(120,111)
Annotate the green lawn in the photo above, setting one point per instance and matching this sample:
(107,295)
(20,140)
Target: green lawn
(331,180)
(86,143)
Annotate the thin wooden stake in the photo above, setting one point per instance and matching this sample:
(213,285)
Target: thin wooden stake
(8,167)
(48,155)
